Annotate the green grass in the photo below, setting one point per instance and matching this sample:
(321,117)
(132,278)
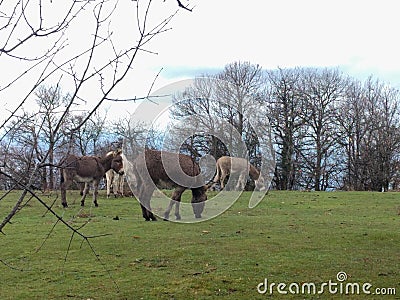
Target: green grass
(290,237)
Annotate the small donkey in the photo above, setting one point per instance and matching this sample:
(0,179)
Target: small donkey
(86,169)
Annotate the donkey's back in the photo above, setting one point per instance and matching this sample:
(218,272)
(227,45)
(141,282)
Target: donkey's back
(82,169)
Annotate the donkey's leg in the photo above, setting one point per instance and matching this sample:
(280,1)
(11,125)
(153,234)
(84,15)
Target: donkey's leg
(109,181)
(144,198)
(168,210)
(95,191)
(115,185)
(176,196)
(81,188)
(64,185)
(144,212)
(217,175)
(175,199)
(241,182)
(121,185)
(222,179)
(85,192)
(177,206)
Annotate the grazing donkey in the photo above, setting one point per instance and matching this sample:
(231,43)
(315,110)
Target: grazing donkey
(116,181)
(237,165)
(86,169)
(155,167)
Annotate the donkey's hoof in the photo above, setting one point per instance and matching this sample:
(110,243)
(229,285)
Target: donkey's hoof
(65,205)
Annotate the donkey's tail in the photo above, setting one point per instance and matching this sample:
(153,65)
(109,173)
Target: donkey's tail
(218,174)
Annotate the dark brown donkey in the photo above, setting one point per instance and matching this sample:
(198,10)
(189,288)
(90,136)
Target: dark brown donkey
(162,168)
(86,169)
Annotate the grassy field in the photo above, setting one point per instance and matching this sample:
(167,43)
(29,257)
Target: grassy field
(293,238)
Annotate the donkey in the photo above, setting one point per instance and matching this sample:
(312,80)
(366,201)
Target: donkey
(87,169)
(154,167)
(237,165)
(116,181)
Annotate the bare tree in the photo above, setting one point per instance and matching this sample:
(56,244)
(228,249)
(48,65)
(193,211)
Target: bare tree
(220,106)
(286,117)
(240,88)
(322,90)
(388,136)
(198,101)
(332,131)
(88,138)
(47,45)
(136,134)
(51,104)
(224,114)
(223,108)
(370,126)
(352,122)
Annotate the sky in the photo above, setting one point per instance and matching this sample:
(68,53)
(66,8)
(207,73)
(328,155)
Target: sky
(358,36)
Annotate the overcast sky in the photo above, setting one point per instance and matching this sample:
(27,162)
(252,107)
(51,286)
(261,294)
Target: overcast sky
(358,36)
(361,37)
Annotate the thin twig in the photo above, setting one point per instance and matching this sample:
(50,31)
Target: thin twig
(152,84)
(137,98)
(183,6)
(47,237)
(10,266)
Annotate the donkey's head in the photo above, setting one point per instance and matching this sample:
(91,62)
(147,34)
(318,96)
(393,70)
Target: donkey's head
(199,199)
(116,162)
(260,183)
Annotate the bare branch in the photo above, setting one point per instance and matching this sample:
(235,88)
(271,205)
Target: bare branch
(183,6)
